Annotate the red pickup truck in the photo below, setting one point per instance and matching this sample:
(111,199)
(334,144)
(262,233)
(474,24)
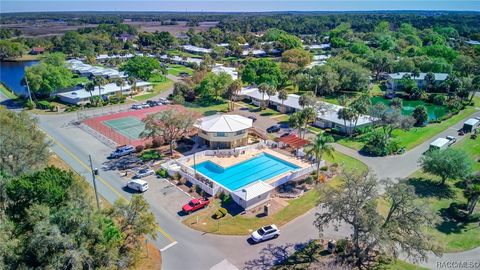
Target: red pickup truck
(195,204)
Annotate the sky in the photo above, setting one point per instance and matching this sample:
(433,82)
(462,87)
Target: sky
(234,5)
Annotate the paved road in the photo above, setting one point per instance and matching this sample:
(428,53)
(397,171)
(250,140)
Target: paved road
(204,250)
(174,239)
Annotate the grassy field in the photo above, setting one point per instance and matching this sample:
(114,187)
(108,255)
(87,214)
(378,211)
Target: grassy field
(452,235)
(175,70)
(208,108)
(413,137)
(158,88)
(7,92)
(239,225)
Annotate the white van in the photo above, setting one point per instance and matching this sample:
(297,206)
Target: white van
(138,185)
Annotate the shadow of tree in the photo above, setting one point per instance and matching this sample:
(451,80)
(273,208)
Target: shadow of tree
(448,224)
(122,163)
(307,255)
(232,208)
(429,188)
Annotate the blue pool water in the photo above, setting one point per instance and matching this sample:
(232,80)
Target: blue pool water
(261,167)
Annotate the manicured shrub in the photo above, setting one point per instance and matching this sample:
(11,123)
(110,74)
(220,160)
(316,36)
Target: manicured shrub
(324,168)
(139,148)
(43,104)
(162,173)
(439,99)
(157,142)
(341,245)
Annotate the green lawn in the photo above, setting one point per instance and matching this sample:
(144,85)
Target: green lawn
(175,70)
(208,108)
(452,235)
(7,92)
(79,80)
(413,137)
(157,89)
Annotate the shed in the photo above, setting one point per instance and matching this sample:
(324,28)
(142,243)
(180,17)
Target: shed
(252,195)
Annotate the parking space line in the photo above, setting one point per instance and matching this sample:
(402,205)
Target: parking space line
(186,193)
(83,164)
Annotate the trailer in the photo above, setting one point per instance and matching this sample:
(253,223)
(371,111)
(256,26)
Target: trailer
(440,144)
(470,125)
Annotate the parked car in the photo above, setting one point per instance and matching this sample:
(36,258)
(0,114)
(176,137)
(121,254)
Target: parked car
(164,101)
(285,134)
(143,172)
(273,129)
(145,105)
(136,107)
(195,204)
(265,233)
(153,103)
(122,151)
(253,117)
(452,139)
(138,185)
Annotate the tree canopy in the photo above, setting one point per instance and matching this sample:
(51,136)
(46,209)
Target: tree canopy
(141,67)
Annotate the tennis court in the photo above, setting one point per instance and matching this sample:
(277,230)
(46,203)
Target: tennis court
(130,127)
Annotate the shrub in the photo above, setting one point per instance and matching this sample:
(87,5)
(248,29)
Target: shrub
(162,173)
(157,142)
(220,213)
(43,104)
(225,197)
(309,180)
(324,168)
(148,145)
(151,155)
(139,148)
(341,245)
(439,99)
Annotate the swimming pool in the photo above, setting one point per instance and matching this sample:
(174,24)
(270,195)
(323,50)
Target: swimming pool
(260,167)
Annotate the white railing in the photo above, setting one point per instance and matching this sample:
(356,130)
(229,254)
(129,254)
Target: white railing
(210,190)
(295,174)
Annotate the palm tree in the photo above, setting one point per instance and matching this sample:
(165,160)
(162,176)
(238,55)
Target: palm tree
(271,91)
(308,116)
(263,88)
(100,81)
(283,95)
(120,82)
(233,89)
(296,121)
(320,145)
(133,83)
(89,87)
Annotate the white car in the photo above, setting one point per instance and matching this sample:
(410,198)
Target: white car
(144,172)
(122,151)
(138,185)
(136,107)
(145,105)
(265,233)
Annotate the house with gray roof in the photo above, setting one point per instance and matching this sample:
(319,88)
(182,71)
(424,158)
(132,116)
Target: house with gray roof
(393,79)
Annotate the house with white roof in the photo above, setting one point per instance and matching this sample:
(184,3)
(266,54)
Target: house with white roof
(195,49)
(80,96)
(185,61)
(219,68)
(87,70)
(222,131)
(393,79)
(327,113)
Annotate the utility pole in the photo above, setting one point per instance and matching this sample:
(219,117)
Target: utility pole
(94,172)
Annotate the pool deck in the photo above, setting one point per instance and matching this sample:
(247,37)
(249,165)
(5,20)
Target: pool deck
(230,161)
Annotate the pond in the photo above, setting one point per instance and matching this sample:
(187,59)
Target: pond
(434,111)
(11,75)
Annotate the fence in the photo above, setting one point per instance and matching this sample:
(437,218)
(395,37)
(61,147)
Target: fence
(295,174)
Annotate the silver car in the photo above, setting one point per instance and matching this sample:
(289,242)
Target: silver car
(144,172)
